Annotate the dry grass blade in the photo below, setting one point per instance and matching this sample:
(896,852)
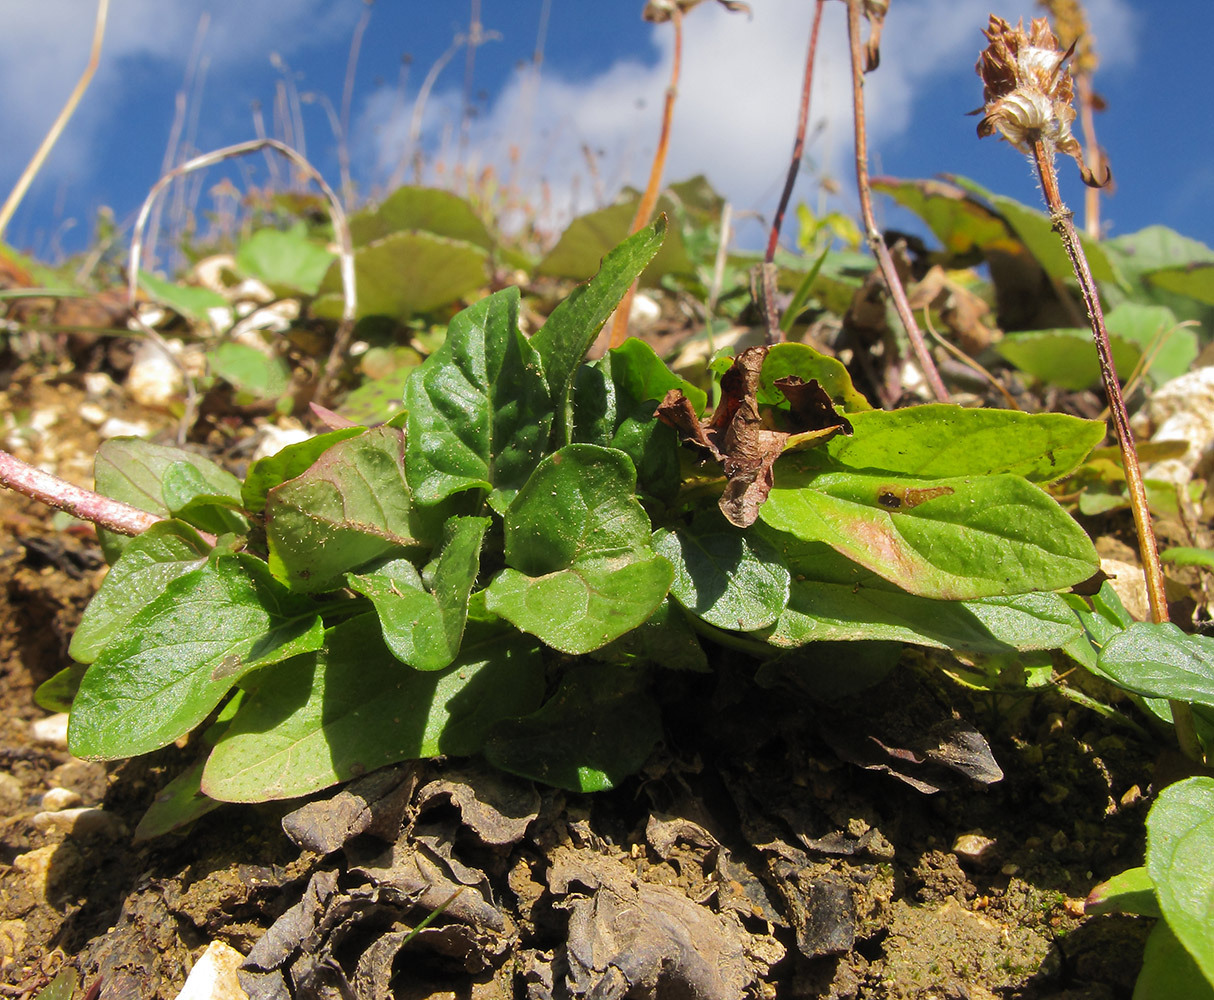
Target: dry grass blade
(52,136)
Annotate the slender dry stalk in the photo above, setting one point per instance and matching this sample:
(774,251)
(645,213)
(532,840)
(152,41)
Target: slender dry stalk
(347,98)
(52,136)
(876,242)
(1027,99)
(649,200)
(423,97)
(798,147)
(341,231)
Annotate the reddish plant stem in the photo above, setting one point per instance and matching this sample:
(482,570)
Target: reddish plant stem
(799,145)
(875,242)
(649,200)
(84,504)
(1060,217)
(1093,155)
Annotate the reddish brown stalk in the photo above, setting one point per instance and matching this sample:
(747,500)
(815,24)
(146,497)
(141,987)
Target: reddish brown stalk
(1093,154)
(1060,216)
(875,241)
(649,200)
(799,145)
(84,504)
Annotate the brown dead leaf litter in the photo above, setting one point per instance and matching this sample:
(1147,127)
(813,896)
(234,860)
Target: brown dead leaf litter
(767,849)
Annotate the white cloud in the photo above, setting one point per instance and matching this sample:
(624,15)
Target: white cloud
(737,101)
(44,47)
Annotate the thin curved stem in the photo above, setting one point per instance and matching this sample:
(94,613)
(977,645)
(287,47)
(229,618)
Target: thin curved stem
(875,241)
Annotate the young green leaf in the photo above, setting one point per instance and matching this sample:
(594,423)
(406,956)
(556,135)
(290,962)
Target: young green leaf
(614,401)
(1168,970)
(293,460)
(941,439)
(802,361)
(352,707)
(582,569)
(288,261)
(423,627)
(730,578)
(165,551)
(403,274)
(185,300)
(479,415)
(133,470)
(1161,661)
(596,730)
(1132,891)
(565,338)
(951,539)
(1180,861)
(350,507)
(165,670)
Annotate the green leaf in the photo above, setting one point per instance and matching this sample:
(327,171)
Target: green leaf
(807,364)
(479,411)
(590,238)
(940,439)
(333,715)
(1037,233)
(583,570)
(167,668)
(615,400)
(180,802)
(1180,861)
(55,694)
(293,460)
(730,578)
(161,554)
(572,326)
(404,274)
(350,507)
(423,628)
(952,539)
(1195,281)
(962,225)
(134,471)
(427,209)
(1155,330)
(286,261)
(1168,970)
(1132,891)
(1182,556)
(185,300)
(665,639)
(596,730)
(1161,661)
(1065,357)
(249,370)
(62,987)
(831,611)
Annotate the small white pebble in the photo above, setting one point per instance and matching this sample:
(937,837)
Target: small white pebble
(214,975)
(98,384)
(57,799)
(93,414)
(274,439)
(51,730)
(117,427)
(973,847)
(81,822)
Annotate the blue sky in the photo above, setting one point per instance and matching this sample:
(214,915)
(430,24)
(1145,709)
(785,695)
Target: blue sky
(601,85)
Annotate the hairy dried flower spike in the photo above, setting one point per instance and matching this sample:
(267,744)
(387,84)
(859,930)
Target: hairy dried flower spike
(1027,91)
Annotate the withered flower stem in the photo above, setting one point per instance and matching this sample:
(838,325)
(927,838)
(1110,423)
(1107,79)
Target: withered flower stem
(1060,217)
(873,235)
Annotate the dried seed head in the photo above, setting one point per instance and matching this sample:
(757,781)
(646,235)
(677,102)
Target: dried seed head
(1027,90)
